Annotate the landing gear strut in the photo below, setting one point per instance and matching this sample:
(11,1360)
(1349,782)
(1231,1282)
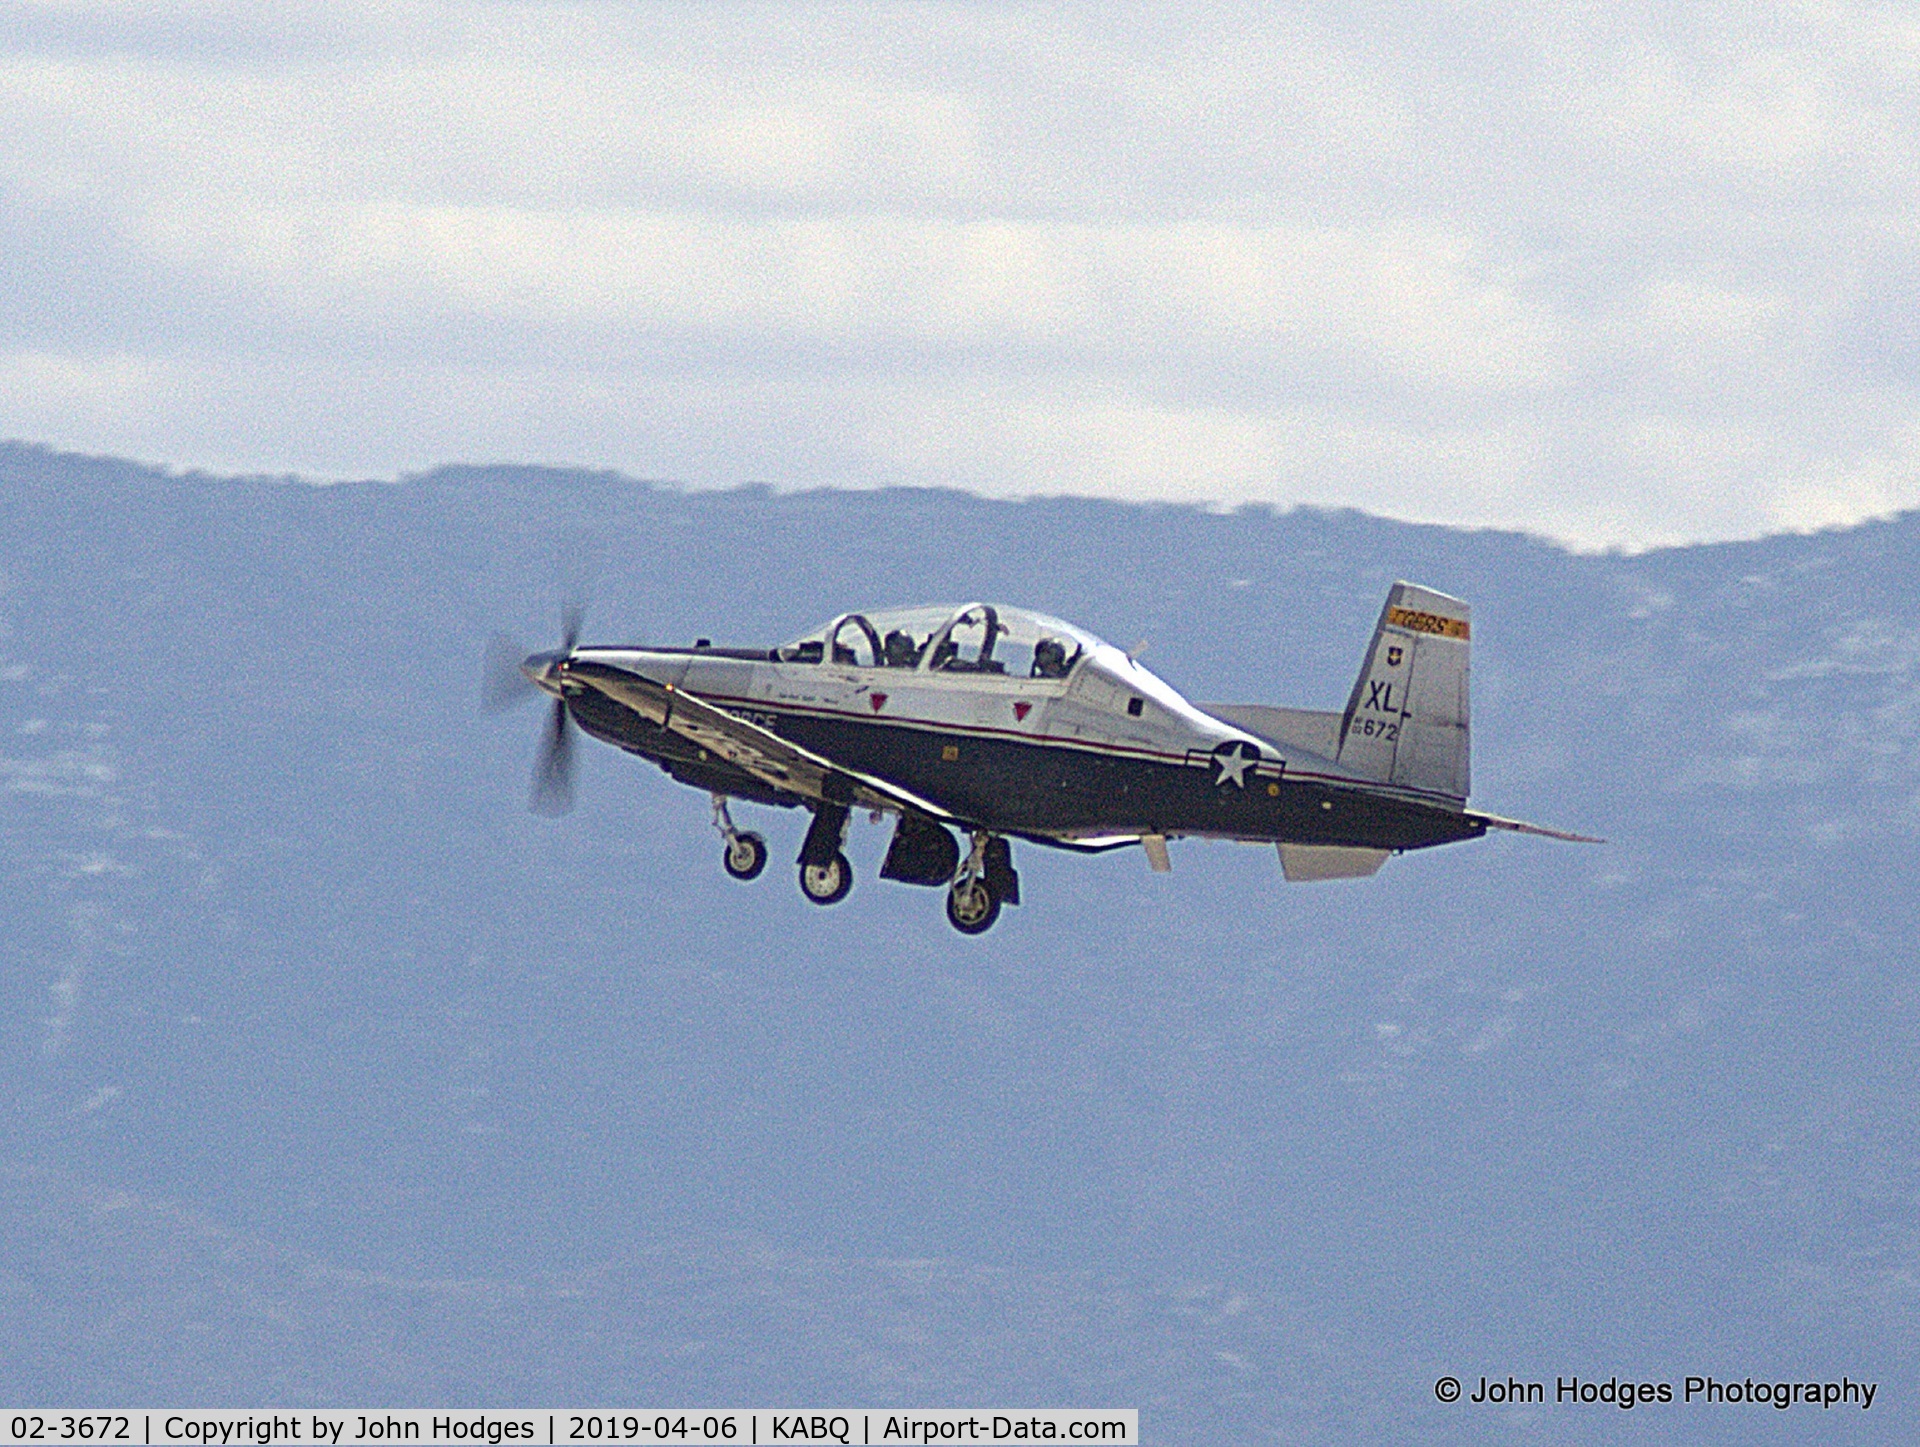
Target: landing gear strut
(825,875)
(746,852)
(984,882)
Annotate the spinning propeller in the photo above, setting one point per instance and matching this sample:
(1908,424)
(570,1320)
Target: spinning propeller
(510,675)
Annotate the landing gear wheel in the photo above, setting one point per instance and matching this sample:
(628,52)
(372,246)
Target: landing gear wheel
(827,883)
(745,856)
(972,907)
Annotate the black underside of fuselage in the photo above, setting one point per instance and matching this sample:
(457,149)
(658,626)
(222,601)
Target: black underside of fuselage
(1012,786)
(686,762)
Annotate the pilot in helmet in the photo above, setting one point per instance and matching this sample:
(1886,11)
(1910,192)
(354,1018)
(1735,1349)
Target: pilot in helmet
(1049,659)
(899,650)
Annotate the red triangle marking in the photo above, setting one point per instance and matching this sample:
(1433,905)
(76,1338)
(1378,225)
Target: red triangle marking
(878,700)
(1021,710)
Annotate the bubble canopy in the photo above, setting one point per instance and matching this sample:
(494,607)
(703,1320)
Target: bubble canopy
(947,638)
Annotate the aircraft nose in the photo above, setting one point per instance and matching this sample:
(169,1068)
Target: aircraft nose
(544,670)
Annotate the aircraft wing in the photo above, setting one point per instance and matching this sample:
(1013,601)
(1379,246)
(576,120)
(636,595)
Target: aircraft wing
(759,751)
(1517,826)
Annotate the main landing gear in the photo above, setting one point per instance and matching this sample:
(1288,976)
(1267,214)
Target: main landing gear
(985,881)
(971,906)
(923,852)
(746,852)
(827,883)
(825,875)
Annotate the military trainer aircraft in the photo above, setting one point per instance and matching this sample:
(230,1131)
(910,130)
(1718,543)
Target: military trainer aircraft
(997,724)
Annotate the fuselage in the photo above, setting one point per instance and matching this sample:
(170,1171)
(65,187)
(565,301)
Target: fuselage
(1055,750)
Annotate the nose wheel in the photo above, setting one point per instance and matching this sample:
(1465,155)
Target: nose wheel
(745,854)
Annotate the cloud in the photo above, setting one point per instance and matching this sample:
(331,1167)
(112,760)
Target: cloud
(1620,277)
(1127,294)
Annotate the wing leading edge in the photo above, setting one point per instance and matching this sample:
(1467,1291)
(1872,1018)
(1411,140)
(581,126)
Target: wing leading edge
(759,751)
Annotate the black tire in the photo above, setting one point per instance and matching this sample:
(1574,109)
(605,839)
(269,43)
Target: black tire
(973,908)
(827,883)
(745,856)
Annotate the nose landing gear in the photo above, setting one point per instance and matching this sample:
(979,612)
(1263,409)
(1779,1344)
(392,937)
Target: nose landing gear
(745,857)
(745,854)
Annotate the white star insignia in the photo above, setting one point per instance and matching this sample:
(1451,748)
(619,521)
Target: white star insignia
(1234,761)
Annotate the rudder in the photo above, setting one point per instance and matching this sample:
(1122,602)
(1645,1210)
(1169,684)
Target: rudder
(1407,720)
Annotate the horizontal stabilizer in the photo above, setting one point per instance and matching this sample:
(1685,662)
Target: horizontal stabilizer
(1309,863)
(1290,728)
(1520,826)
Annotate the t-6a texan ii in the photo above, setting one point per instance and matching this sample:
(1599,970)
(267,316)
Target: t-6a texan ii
(993,724)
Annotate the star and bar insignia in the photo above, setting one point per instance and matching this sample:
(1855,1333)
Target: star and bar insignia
(1234,758)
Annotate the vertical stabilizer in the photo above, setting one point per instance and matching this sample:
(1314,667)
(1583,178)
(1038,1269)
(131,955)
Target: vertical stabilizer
(1407,721)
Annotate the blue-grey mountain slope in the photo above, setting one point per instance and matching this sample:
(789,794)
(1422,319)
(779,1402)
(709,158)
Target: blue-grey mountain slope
(333,1075)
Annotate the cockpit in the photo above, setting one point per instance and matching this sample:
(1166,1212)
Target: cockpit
(973,638)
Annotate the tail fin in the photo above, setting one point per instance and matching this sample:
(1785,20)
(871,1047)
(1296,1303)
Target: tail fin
(1406,722)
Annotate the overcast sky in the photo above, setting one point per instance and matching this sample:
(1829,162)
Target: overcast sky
(1616,274)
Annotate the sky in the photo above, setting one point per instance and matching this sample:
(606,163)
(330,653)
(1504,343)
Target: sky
(1619,275)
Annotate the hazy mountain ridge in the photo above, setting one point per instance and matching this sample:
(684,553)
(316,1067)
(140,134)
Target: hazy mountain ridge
(282,945)
(220,1316)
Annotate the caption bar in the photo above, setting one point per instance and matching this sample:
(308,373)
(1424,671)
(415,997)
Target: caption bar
(492,1428)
